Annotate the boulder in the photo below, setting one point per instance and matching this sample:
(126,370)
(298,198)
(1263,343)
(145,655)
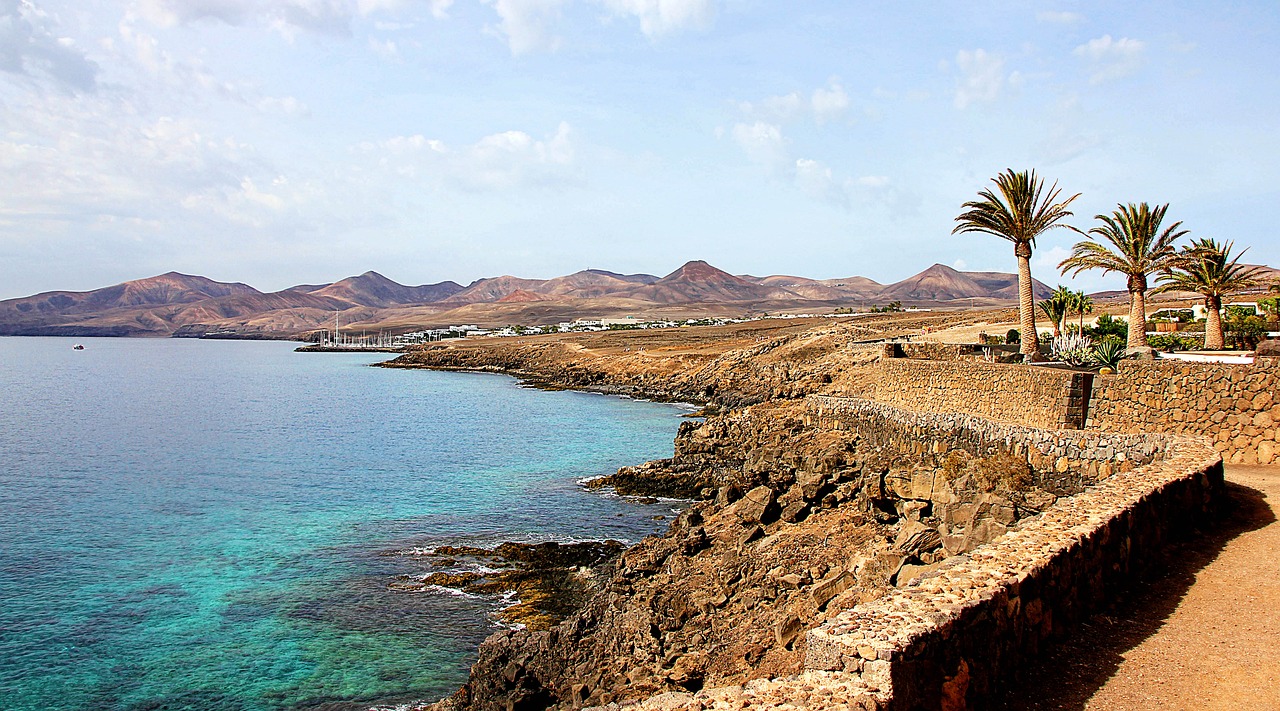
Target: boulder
(916,539)
(1269,348)
(835,583)
(754,505)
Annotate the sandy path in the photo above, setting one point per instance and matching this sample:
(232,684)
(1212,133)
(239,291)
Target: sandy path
(1203,633)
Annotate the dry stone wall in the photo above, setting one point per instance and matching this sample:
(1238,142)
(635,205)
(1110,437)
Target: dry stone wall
(1235,406)
(948,637)
(1036,396)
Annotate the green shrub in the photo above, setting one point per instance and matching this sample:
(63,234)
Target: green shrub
(1013,336)
(1170,342)
(1243,332)
(1108,325)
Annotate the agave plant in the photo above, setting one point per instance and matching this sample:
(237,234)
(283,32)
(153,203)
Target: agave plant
(1109,352)
(1072,348)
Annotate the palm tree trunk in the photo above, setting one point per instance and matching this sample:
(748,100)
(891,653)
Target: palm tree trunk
(1137,320)
(1026,302)
(1213,340)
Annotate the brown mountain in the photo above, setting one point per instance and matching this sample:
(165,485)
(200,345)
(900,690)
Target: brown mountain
(178,304)
(169,288)
(373,289)
(942,283)
(520,296)
(492,288)
(821,289)
(698,281)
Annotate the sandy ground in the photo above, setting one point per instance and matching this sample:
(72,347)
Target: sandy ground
(1203,632)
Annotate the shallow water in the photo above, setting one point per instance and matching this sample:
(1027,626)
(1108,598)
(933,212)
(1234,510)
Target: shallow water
(212,525)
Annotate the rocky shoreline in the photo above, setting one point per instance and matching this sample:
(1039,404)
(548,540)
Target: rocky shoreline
(548,581)
(792,523)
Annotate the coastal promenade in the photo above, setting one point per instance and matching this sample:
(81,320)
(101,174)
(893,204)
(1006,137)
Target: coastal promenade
(1201,633)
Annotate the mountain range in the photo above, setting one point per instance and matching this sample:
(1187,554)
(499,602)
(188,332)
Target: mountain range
(175,304)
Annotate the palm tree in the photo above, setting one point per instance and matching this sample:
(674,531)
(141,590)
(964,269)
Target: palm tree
(1081,304)
(1055,308)
(1021,212)
(1208,269)
(1138,249)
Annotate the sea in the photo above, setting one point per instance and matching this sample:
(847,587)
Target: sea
(213,525)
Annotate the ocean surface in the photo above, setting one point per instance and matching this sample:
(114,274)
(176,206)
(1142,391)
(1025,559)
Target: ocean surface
(212,525)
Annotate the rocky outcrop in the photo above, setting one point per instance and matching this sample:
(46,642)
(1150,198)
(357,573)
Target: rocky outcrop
(550,581)
(804,522)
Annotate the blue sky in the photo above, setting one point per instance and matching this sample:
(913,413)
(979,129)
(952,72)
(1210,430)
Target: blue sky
(284,141)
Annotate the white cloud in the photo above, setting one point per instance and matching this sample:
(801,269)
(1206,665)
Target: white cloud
(1059,18)
(1112,58)
(981,78)
(661,17)
(959,265)
(829,102)
(287,105)
(820,182)
(524,24)
(824,104)
(1048,259)
(385,48)
(499,161)
(873,181)
(763,144)
(29,47)
(332,17)
(440,8)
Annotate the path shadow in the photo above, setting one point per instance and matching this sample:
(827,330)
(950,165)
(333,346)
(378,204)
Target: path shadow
(1067,675)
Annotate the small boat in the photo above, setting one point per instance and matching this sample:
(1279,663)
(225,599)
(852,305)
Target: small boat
(77,347)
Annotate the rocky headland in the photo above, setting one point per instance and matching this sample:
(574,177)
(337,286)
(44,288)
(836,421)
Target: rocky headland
(796,519)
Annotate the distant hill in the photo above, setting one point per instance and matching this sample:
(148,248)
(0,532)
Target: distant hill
(179,304)
(168,288)
(373,289)
(942,283)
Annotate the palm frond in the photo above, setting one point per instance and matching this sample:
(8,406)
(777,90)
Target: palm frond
(1022,210)
(1207,268)
(1129,241)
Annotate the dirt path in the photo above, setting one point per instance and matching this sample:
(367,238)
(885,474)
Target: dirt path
(1202,633)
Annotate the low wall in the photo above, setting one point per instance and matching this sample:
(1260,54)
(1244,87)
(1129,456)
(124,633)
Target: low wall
(1090,456)
(949,637)
(1236,406)
(1040,397)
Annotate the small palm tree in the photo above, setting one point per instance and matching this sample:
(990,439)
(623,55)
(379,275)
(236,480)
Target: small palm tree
(1139,248)
(1082,304)
(1207,268)
(1055,308)
(1022,211)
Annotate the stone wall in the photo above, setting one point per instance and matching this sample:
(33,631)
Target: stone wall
(1087,456)
(1236,406)
(1036,396)
(949,637)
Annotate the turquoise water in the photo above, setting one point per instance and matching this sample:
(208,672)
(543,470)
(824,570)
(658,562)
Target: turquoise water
(212,525)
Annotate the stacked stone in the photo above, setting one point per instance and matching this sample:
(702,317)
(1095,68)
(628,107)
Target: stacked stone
(1087,455)
(946,638)
(1234,405)
(828,691)
(1039,397)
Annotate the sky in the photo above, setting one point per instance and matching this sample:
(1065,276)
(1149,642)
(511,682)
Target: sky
(278,142)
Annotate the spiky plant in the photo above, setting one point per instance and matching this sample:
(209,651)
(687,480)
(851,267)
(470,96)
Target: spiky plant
(1021,211)
(1138,249)
(1208,269)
